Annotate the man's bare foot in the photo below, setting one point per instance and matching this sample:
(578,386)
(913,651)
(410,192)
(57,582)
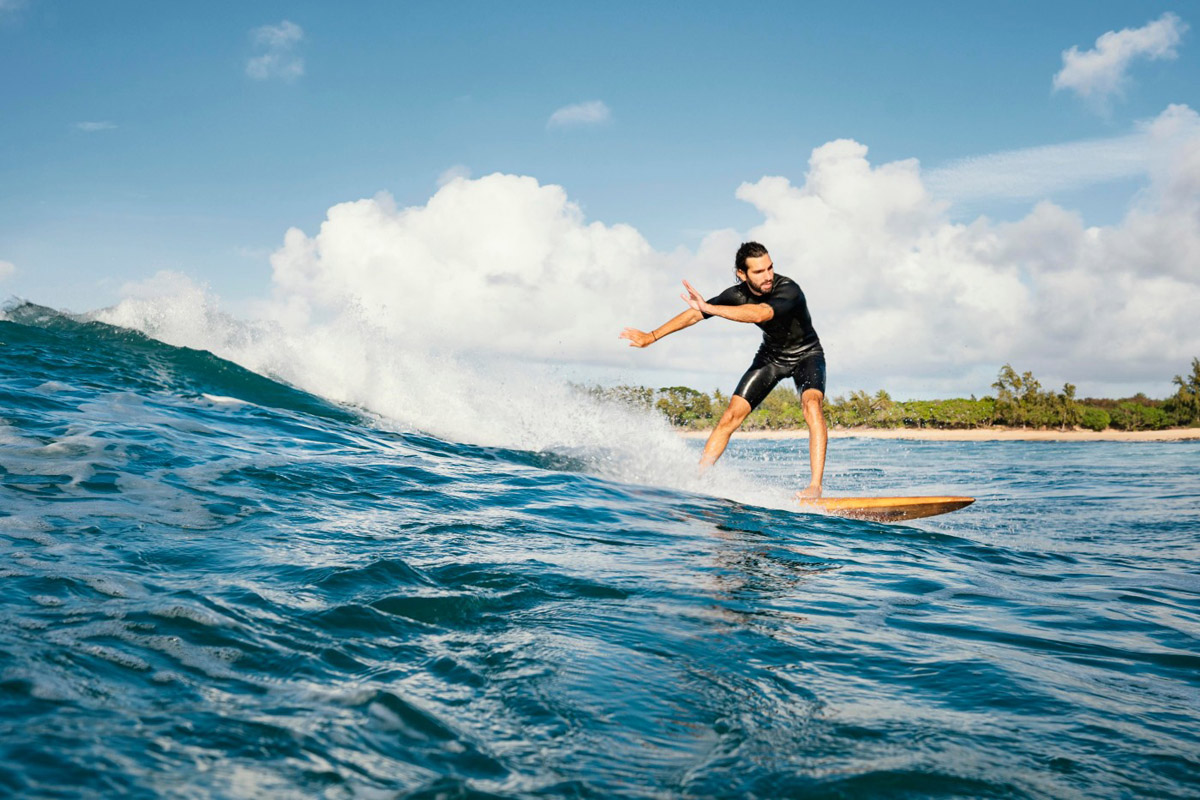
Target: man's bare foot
(809,493)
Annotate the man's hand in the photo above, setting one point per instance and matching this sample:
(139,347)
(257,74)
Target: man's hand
(694,299)
(678,322)
(637,338)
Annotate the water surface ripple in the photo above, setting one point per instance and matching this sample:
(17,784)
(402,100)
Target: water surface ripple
(217,586)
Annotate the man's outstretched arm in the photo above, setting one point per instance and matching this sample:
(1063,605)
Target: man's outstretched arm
(677,323)
(750,312)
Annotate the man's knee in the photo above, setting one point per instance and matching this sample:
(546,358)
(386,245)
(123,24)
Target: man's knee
(736,412)
(812,402)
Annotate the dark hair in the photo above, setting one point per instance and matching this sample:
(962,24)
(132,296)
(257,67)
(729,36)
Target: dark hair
(747,250)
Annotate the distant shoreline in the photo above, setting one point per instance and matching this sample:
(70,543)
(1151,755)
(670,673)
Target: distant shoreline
(974,434)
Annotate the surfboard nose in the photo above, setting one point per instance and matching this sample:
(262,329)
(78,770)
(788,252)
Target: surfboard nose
(886,509)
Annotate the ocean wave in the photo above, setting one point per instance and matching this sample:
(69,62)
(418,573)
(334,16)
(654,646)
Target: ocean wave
(218,583)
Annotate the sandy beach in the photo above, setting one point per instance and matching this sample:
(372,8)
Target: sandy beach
(976,435)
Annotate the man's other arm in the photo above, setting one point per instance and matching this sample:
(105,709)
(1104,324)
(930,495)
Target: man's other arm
(682,320)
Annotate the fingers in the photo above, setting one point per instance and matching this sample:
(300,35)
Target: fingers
(636,338)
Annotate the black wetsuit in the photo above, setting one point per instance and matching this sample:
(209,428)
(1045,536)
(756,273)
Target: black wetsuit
(790,347)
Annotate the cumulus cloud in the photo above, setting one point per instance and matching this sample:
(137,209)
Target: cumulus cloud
(499,264)
(1102,71)
(94,127)
(503,267)
(898,291)
(593,112)
(456,172)
(902,296)
(7,269)
(278,58)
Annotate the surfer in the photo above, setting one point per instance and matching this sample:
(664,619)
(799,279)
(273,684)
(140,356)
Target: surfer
(790,348)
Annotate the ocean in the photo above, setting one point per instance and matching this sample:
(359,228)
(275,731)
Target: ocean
(222,582)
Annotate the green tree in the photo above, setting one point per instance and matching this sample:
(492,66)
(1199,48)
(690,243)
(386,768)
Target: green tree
(956,413)
(684,407)
(780,409)
(1042,409)
(1130,415)
(1094,419)
(861,406)
(1010,388)
(1070,414)
(1020,401)
(638,396)
(1185,405)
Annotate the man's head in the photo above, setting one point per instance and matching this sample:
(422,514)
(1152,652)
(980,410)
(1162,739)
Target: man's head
(753,265)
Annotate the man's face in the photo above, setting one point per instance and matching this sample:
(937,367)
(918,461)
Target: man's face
(760,274)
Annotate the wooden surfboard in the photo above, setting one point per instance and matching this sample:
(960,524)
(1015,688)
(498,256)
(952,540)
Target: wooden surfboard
(886,509)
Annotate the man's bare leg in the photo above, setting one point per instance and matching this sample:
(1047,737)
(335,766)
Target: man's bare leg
(818,437)
(735,414)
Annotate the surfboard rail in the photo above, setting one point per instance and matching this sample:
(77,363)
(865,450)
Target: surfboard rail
(886,509)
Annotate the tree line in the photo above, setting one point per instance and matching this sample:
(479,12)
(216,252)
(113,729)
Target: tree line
(1019,401)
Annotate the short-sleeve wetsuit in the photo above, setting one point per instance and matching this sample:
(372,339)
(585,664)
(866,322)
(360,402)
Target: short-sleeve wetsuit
(790,347)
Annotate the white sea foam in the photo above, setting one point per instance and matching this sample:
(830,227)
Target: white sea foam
(222,400)
(411,386)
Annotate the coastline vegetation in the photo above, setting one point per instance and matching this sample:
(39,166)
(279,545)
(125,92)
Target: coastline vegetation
(1019,402)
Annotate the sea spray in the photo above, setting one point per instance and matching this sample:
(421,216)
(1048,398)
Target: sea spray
(412,386)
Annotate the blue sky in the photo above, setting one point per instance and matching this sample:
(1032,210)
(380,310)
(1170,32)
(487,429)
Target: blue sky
(139,136)
(205,167)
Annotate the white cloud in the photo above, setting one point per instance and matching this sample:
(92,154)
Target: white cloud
(93,127)
(432,300)
(1037,172)
(279,59)
(456,172)
(1101,72)
(898,291)
(499,264)
(594,112)
(7,269)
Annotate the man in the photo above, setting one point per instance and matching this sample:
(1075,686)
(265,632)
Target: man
(790,348)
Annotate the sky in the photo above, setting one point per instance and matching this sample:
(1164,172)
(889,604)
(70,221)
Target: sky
(954,188)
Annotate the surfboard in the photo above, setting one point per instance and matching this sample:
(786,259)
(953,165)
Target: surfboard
(886,509)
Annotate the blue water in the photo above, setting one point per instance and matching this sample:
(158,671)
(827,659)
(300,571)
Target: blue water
(215,585)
